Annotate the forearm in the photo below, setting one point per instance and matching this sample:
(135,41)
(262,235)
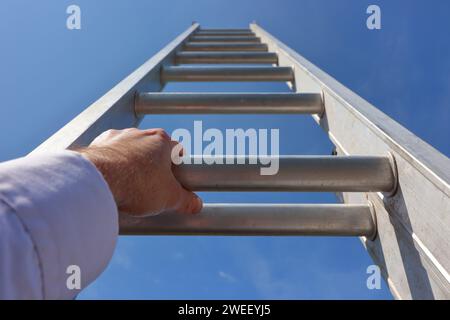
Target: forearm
(67,215)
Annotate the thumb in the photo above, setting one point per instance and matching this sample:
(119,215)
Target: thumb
(184,201)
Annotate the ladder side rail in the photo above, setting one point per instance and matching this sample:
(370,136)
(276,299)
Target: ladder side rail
(115,110)
(413,225)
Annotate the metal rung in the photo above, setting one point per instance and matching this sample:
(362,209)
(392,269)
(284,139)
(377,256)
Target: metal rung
(225,46)
(187,57)
(259,219)
(224,31)
(228,33)
(225,39)
(170,73)
(228,103)
(296,173)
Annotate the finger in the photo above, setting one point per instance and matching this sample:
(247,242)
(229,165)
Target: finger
(176,144)
(184,201)
(158,131)
(177,152)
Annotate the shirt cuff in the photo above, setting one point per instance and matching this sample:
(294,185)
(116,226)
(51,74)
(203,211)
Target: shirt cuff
(69,211)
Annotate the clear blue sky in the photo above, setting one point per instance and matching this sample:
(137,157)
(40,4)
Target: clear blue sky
(49,74)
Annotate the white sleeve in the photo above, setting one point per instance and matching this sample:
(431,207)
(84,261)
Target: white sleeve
(56,211)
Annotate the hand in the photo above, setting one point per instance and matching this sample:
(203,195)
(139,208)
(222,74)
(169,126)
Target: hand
(137,166)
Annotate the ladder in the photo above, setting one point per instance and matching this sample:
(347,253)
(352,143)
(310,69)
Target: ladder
(394,187)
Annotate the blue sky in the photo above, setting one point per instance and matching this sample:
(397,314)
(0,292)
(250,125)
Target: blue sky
(49,74)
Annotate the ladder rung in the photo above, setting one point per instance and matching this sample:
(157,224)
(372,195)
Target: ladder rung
(259,219)
(188,57)
(225,46)
(225,33)
(228,103)
(224,30)
(224,39)
(296,173)
(182,73)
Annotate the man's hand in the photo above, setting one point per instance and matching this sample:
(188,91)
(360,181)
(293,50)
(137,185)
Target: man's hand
(138,168)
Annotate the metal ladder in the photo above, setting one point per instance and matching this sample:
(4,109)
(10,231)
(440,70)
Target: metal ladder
(394,187)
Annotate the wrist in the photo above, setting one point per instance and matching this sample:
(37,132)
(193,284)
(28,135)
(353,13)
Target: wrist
(107,163)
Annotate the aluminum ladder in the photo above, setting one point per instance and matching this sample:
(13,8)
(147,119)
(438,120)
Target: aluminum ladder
(394,187)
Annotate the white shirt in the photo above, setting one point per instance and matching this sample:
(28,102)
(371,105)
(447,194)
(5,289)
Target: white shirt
(56,211)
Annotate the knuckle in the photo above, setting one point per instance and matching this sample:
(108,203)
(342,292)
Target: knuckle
(162,133)
(111,131)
